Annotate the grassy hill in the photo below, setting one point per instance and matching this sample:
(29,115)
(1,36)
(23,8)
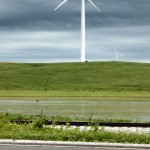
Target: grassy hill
(75,77)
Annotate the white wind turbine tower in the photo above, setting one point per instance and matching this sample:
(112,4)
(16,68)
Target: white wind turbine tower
(117,55)
(82,25)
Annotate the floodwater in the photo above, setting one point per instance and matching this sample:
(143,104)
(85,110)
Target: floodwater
(101,109)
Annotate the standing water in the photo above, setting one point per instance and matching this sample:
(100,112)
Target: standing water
(100,109)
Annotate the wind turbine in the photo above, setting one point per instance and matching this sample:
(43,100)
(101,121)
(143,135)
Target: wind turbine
(82,24)
(117,55)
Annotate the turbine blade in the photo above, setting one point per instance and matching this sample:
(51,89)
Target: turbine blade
(60,5)
(94,5)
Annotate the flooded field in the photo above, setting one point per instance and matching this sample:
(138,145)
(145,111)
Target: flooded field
(102,109)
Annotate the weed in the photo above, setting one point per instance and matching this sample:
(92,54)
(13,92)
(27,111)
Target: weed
(38,123)
(36,131)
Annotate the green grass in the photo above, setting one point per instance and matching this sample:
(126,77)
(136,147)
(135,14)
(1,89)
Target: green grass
(36,131)
(29,94)
(72,79)
(30,132)
(7,117)
(75,79)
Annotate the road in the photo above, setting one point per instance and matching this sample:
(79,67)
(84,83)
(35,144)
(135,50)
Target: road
(29,147)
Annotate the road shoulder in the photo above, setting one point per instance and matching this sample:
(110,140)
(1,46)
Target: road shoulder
(84,144)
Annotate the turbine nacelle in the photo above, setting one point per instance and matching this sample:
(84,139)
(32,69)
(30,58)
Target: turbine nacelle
(90,1)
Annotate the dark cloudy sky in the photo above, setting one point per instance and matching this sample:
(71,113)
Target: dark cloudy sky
(30,31)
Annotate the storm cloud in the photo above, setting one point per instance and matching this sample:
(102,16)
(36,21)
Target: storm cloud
(31,31)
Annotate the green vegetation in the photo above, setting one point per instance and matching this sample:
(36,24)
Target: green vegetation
(7,117)
(75,79)
(36,131)
(96,79)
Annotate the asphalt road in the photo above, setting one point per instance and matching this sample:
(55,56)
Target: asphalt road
(29,147)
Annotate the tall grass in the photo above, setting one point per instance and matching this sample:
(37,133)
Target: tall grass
(36,131)
(29,132)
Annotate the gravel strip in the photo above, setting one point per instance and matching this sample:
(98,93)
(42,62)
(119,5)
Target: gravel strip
(128,129)
(110,129)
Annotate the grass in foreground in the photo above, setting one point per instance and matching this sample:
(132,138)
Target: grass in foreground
(30,132)
(36,131)
(74,79)
(7,117)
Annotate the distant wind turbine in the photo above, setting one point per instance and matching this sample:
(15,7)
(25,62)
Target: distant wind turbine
(117,55)
(82,25)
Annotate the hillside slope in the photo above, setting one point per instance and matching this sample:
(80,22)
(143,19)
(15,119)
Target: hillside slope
(94,76)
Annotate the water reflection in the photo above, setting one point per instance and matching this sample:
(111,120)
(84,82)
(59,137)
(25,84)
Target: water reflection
(81,108)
